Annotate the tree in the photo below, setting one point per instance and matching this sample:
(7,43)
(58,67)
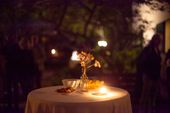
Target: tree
(76,22)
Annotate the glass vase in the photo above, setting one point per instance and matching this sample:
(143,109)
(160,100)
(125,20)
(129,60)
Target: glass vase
(84,80)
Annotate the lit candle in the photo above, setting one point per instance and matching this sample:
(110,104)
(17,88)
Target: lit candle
(101,91)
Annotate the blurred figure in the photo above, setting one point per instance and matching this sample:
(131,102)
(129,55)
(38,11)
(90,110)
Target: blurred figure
(21,71)
(2,73)
(29,72)
(12,57)
(149,64)
(167,61)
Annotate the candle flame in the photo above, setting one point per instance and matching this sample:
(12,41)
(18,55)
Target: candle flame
(102,90)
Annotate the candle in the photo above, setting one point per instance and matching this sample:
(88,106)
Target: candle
(100,92)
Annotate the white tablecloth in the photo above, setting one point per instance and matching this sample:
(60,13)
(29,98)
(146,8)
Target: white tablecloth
(47,100)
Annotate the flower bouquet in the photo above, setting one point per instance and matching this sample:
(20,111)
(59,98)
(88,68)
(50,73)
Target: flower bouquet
(87,60)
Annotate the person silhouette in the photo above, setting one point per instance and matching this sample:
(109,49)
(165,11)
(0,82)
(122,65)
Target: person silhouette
(29,71)
(12,57)
(149,64)
(20,72)
(167,61)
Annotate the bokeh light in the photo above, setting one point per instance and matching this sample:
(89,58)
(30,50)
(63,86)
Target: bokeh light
(102,43)
(74,56)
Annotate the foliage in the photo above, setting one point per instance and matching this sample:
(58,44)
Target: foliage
(74,25)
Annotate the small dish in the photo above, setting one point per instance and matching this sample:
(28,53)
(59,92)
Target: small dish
(67,90)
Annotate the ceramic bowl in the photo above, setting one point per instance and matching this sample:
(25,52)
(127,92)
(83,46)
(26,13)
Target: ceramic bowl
(74,83)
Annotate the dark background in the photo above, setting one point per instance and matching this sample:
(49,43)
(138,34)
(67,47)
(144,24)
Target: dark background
(68,25)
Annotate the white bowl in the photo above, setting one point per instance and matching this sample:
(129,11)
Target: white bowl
(74,83)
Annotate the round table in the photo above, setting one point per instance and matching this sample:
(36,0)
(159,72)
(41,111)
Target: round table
(48,100)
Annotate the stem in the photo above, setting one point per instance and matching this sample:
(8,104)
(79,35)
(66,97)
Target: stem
(90,66)
(84,69)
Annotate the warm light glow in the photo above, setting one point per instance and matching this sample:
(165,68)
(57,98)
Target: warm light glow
(102,43)
(74,56)
(109,95)
(104,93)
(53,51)
(103,90)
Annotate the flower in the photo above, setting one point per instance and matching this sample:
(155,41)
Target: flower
(86,60)
(85,57)
(97,64)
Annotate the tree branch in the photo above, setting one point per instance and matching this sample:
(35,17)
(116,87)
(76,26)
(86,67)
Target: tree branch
(89,19)
(83,5)
(63,15)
